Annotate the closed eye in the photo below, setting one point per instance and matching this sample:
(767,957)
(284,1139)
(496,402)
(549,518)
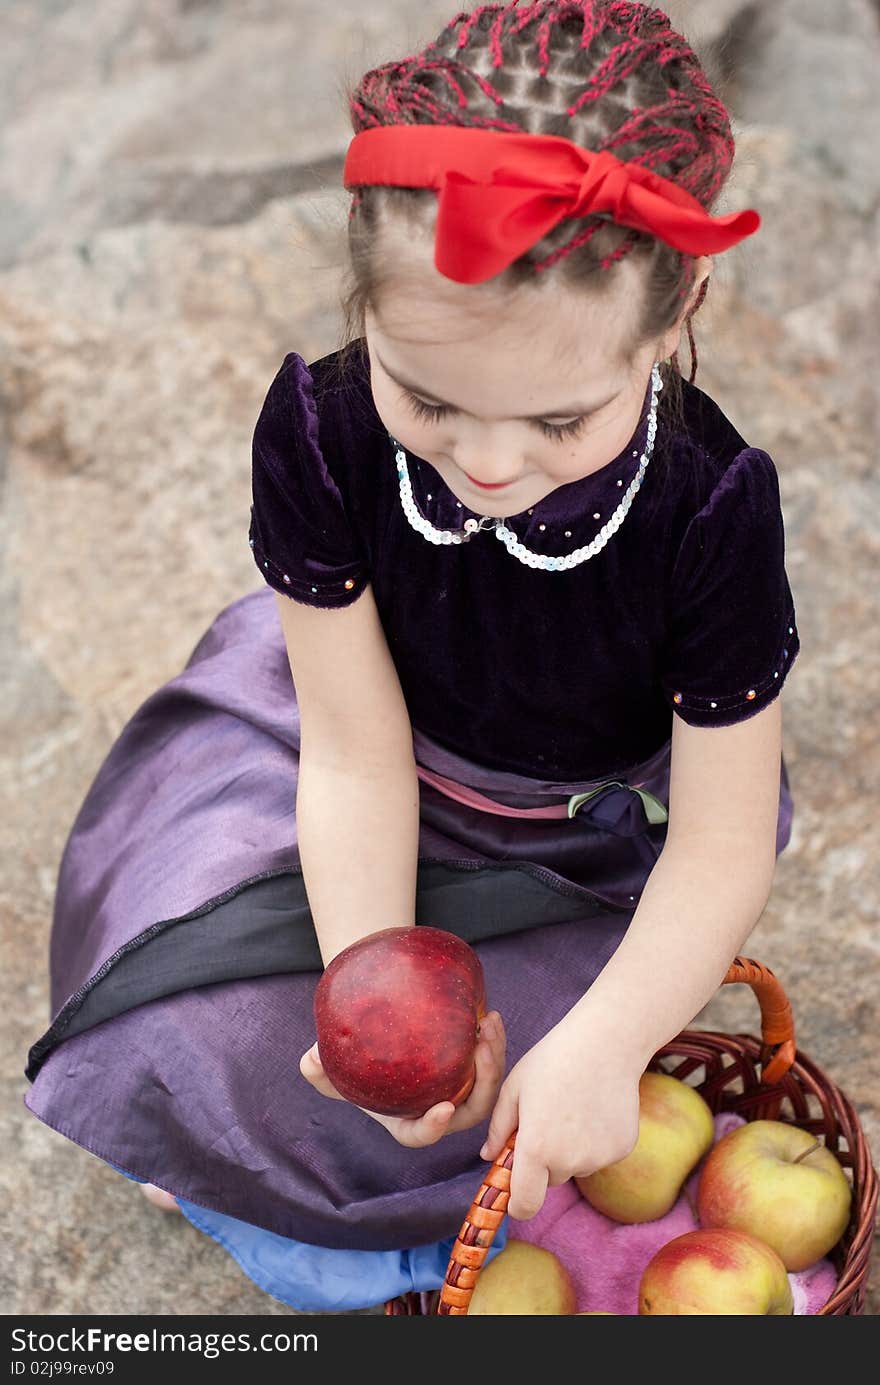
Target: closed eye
(432,413)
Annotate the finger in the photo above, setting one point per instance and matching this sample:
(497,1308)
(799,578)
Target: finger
(489,1060)
(430,1127)
(312,1070)
(310,1062)
(493,1032)
(504,1120)
(492,1029)
(483,1094)
(418,1131)
(528,1187)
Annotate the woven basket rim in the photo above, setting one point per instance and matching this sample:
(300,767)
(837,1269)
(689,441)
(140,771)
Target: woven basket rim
(804,1080)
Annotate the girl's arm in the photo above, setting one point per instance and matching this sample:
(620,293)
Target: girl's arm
(710,884)
(574,1096)
(357,812)
(357,803)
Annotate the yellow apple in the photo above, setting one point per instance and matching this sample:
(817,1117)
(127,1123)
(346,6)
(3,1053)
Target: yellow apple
(523,1279)
(675,1130)
(714,1273)
(780,1183)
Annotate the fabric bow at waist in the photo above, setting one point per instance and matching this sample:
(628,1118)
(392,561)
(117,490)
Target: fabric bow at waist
(615,806)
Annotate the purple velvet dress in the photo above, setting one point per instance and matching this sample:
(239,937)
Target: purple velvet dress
(183,955)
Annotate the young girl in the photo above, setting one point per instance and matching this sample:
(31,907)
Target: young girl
(515,672)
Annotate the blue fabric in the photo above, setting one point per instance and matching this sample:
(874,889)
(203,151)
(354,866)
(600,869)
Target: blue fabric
(317,1279)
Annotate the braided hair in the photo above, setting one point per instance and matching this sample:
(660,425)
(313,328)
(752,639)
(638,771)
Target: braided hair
(606,74)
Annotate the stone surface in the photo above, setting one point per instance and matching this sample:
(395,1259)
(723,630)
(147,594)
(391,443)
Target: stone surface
(172,225)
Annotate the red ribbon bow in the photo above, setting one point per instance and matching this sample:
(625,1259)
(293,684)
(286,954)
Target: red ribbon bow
(500,192)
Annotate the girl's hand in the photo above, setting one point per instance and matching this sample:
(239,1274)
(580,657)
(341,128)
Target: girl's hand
(444,1118)
(575,1107)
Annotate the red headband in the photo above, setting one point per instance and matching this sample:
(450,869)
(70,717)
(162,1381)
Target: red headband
(500,192)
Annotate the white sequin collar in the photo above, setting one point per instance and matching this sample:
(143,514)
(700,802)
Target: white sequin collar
(498,526)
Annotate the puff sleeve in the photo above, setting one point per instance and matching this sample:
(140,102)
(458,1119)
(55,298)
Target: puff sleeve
(302,539)
(732,635)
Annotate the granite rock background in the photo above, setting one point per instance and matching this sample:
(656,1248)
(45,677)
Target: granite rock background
(171,223)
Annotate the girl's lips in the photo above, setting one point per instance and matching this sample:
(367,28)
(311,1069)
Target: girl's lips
(496,486)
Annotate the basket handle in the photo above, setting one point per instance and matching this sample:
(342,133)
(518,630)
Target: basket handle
(777,1021)
(490,1203)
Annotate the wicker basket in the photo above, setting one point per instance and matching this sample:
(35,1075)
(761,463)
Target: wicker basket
(762,1079)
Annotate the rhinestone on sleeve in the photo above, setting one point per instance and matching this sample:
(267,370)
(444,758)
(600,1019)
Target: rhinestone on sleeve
(738,700)
(332,593)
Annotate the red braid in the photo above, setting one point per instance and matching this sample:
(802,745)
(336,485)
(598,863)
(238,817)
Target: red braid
(681,129)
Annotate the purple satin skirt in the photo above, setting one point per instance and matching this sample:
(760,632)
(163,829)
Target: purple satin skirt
(184,959)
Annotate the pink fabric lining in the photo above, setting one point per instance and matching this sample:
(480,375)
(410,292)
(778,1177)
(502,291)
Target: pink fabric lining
(606,1258)
(463,793)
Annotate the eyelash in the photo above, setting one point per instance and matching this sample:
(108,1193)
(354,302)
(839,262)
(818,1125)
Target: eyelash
(432,413)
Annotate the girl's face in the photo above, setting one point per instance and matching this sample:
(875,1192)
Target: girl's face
(525,402)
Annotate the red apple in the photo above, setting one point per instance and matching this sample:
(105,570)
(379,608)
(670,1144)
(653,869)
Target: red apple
(714,1273)
(397,1017)
(780,1183)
